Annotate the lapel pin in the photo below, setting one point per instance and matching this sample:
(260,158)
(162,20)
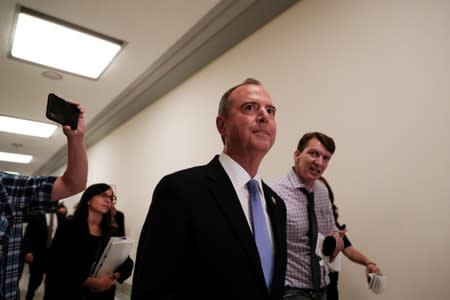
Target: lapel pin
(273,199)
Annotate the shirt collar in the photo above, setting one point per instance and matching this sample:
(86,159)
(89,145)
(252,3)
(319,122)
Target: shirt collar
(297,182)
(238,176)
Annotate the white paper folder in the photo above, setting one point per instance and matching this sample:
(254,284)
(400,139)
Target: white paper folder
(115,254)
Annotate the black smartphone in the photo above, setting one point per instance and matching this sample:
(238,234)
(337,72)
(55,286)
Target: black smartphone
(62,112)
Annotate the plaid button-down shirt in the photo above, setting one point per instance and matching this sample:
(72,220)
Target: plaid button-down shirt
(18,194)
(298,272)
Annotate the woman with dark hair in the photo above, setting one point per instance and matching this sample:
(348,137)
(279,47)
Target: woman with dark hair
(351,252)
(77,247)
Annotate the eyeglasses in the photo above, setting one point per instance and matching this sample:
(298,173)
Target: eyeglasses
(112,198)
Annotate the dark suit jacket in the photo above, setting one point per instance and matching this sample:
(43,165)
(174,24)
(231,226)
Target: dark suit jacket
(120,221)
(36,233)
(196,242)
(72,257)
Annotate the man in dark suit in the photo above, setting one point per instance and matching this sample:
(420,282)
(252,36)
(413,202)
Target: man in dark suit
(118,221)
(198,239)
(36,244)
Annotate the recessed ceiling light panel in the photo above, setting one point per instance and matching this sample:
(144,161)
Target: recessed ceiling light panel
(51,42)
(15,157)
(26,127)
(12,172)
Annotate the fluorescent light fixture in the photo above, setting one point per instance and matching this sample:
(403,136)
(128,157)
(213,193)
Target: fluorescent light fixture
(48,41)
(12,172)
(26,127)
(16,158)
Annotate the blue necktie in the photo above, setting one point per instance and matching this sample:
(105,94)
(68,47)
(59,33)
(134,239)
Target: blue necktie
(260,231)
(312,234)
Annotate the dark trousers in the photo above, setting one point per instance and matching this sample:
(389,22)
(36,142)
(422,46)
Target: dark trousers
(37,270)
(304,294)
(332,288)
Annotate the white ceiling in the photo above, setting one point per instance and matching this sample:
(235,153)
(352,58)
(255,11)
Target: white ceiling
(166,41)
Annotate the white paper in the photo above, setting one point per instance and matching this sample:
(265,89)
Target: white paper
(377,283)
(115,254)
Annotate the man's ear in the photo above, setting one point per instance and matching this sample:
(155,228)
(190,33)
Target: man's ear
(220,124)
(296,155)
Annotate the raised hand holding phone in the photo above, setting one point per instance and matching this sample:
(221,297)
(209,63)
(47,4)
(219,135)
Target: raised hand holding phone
(62,111)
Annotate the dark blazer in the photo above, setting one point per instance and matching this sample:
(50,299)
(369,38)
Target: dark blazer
(36,234)
(35,237)
(72,257)
(196,242)
(119,217)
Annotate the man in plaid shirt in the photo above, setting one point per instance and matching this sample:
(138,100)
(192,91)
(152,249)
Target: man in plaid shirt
(311,159)
(19,194)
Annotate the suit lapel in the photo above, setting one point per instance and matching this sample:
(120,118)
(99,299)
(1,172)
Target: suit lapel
(43,221)
(274,215)
(223,192)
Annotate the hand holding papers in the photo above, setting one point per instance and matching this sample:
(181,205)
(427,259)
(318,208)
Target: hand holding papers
(115,254)
(377,283)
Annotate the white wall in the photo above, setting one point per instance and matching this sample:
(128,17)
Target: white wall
(375,75)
